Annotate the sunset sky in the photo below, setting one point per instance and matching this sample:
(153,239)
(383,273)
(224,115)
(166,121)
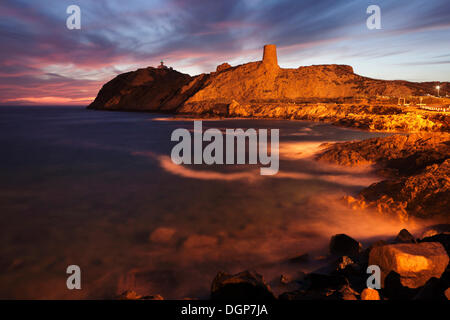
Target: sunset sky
(43,62)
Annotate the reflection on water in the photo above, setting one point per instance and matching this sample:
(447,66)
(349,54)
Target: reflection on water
(98,189)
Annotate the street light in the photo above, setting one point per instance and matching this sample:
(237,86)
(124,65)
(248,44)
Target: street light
(437,88)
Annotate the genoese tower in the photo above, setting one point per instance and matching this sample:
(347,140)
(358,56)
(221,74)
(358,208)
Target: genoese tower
(270,60)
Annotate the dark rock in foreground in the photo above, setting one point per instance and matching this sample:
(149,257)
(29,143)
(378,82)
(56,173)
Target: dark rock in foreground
(247,285)
(443,238)
(343,245)
(405,237)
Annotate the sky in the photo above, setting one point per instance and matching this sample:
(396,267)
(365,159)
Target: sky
(43,62)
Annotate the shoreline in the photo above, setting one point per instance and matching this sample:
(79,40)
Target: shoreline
(389,118)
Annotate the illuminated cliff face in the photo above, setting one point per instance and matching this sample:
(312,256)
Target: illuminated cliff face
(254,82)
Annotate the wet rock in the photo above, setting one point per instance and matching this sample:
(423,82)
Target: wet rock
(129,295)
(370,294)
(247,285)
(132,295)
(318,281)
(364,256)
(395,290)
(436,229)
(415,263)
(343,245)
(378,243)
(344,262)
(346,293)
(442,238)
(405,237)
(432,290)
(347,266)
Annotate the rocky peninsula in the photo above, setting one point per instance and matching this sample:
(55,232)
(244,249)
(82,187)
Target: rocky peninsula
(330,93)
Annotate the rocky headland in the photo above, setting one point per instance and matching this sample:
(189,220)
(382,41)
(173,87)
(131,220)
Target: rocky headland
(416,168)
(330,93)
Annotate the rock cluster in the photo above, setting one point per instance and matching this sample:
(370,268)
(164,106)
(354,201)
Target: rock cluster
(414,269)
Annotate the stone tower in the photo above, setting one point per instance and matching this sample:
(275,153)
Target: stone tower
(270,60)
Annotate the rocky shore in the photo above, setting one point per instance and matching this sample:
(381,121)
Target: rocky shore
(411,268)
(416,167)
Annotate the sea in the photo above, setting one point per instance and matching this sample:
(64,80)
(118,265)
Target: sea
(98,189)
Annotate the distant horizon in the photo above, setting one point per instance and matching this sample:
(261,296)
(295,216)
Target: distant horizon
(43,62)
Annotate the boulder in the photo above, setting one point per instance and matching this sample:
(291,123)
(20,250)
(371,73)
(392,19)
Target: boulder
(346,293)
(346,266)
(432,290)
(442,238)
(395,290)
(370,294)
(436,229)
(319,281)
(223,67)
(246,285)
(344,262)
(405,237)
(343,245)
(415,263)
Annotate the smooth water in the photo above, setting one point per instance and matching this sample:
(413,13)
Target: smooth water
(97,189)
